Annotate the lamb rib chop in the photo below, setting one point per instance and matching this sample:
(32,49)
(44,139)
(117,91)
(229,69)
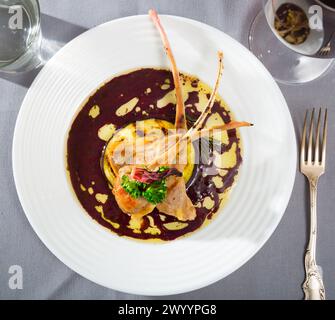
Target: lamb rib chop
(176,202)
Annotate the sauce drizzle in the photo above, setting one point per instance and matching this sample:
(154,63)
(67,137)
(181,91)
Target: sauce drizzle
(145,89)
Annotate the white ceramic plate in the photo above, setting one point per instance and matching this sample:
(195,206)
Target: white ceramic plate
(257,202)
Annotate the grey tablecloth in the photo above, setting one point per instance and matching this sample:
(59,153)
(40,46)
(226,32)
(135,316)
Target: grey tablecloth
(276,272)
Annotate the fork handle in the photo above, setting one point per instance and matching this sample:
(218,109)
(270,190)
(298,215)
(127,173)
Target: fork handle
(313,286)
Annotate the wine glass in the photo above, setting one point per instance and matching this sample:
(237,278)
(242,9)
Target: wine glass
(294,39)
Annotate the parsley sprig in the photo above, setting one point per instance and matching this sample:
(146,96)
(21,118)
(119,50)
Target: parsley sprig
(133,187)
(154,192)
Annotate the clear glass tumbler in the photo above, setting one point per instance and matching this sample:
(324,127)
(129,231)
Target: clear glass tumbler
(20,35)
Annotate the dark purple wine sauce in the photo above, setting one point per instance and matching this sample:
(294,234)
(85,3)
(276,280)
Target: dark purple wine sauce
(84,149)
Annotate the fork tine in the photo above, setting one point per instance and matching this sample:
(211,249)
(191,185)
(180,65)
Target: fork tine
(317,140)
(310,139)
(303,141)
(324,139)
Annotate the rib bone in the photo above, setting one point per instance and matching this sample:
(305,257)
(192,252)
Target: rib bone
(180,121)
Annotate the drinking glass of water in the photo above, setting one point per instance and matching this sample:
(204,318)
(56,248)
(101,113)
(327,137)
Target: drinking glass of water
(20,35)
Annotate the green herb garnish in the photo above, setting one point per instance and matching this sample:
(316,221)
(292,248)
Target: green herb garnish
(153,191)
(133,187)
(163,168)
(156,192)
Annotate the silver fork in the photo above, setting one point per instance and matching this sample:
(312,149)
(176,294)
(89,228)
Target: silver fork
(325,50)
(312,165)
